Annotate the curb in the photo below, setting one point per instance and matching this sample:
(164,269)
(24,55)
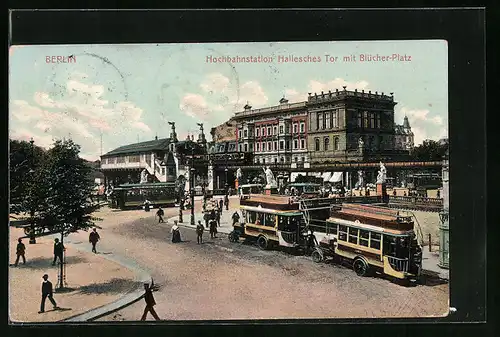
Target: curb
(129,298)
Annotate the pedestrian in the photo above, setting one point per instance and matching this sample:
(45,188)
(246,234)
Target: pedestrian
(235,217)
(93,238)
(146,205)
(213,228)
(47,291)
(394,192)
(160,214)
(206,217)
(221,205)
(150,301)
(176,233)
(217,217)
(180,216)
(20,250)
(199,232)
(404,194)
(226,202)
(438,194)
(58,251)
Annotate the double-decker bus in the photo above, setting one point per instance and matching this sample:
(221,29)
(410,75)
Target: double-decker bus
(134,195)
(372,238)
(270,220)
(247,189)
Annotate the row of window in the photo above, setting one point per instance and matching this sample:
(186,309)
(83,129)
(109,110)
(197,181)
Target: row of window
(368,120)
(327,120)
(273,146)
(282,160)
(359,237)
(326,144)
(273,130)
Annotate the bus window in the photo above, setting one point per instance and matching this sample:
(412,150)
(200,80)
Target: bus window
(353,235)
(269,220)
(342,233)
(390,245)
(375,240)
(364,237)
(251,217)
(331,228)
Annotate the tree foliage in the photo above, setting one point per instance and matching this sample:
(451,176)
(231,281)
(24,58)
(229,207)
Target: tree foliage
(68,186)
(429,150)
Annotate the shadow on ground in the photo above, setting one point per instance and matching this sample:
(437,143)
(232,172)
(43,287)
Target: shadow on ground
(115,285)
(42,263)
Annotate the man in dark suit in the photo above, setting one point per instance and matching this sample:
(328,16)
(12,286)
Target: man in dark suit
(150,301)
(46,292)
(58,251)
(20,251)
(93,238)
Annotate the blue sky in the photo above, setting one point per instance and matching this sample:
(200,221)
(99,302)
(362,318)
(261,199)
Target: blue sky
(128,93)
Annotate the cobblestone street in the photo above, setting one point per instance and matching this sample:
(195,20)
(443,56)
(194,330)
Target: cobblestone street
(222,280)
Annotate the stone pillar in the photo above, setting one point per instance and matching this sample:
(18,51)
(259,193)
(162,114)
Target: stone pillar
(382,192)
(444,230)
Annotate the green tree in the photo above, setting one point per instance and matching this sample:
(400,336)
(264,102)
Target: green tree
(25,162)
(429,150)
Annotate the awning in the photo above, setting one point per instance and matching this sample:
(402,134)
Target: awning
(316,174)
(336,177)
(327,176)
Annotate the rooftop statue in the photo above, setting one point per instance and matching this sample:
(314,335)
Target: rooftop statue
(382,174)
(239,174)
(144,176)
(270,180)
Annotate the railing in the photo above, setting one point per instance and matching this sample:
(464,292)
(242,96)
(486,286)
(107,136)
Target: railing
(325,96)
(398,264)
(289,237)
(276,108)
(416,200)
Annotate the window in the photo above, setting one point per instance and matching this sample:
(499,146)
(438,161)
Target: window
(365,118)
(281,129)
(381,142)
(331,228)
(328,120)
(302,143)
(134,159)
(251,147)
(336,145)
(359,119)
(288,145)
(263,160)
(239,134)
(120,160)
(319,120)
(245,133)
(353,235)
(232,147)
(364,237)
(342,233)
(316,144)
(282,159)
(240,148)
(258,146)
(375,240)
(372,120)
(275,146)
(295,144)
(282,145)
(263,147)
(296,159)
(378,121)
(257,132)
(263,131)
(303,159)
(275,160)
(269,146)
(275,130)
(268,131)
(302,127)
(294,128)
(322,120)
(335,120)
(327,143)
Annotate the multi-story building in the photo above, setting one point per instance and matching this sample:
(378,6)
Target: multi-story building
(276,134)
(351,126)
(403,136)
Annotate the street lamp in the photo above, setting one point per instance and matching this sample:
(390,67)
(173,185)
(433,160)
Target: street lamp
(192,194)
(32,209)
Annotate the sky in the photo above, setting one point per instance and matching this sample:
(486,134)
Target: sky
(122,94)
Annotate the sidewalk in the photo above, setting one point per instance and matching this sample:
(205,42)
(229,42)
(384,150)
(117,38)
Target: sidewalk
(430,262)
(93,281)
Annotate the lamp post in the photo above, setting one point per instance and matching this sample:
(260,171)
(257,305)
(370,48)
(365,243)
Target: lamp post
(191,183)
(32,209)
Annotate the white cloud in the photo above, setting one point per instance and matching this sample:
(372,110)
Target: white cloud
(419,135)
(215,83)
(81,114)
(424,124)
(194,105)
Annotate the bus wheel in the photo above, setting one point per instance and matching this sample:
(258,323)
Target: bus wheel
(317,256)
(262,243)
(360,267)
(233,237)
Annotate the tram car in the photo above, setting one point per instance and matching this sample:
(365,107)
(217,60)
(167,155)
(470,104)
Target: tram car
(373,239)
(134,195)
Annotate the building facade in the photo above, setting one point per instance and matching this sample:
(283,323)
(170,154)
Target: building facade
(403,136)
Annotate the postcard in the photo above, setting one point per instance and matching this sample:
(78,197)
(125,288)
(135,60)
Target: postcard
(228,181)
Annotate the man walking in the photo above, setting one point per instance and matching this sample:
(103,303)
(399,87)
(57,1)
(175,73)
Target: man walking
(20,250)
(199,232)
(217,217)
(235,217)
(226,202)
(221,205)
(46,292)
(93,238)
(213,229)
(58,251)
(160,214)
(150,302)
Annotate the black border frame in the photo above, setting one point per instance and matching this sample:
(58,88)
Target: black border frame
(464,29)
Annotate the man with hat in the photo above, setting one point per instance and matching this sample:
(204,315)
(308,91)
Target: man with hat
(46,292)
(58,251)
(93,238)
(150,301)
(20,250)
(199,232)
